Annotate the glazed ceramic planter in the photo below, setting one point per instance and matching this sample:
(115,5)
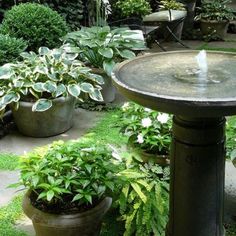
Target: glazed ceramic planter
(87,223)
(53,121)
(220,28)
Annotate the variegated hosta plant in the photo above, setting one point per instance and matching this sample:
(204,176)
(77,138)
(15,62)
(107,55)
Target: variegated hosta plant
(42,77)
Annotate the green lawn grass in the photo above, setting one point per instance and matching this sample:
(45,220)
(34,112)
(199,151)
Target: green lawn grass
(205,46)
(8,161)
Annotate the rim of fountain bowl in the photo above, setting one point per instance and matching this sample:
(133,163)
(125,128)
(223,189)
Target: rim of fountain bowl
(174,104)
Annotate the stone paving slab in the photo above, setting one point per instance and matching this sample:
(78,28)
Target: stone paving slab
(7,178)
(18,144)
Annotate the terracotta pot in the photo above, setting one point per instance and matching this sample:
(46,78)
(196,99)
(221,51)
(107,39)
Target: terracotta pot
(87,223)
(108,90)
(220,28)
(53,121)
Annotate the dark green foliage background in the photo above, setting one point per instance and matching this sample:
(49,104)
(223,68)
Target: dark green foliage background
(10,48)
(71,10)
(38,25)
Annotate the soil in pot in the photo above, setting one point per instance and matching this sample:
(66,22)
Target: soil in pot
(87,223)
(53,121)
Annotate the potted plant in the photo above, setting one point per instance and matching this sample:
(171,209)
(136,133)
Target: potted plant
(42,88)
(133,8)
(214,17)
(149,132)
(175,10)
(68,185)
(101,48)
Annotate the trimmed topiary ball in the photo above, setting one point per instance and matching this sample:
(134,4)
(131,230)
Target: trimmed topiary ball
(10,48)
(37,24)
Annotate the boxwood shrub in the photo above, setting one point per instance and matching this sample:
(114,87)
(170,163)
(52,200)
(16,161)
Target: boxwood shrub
(10,48)
(37,24)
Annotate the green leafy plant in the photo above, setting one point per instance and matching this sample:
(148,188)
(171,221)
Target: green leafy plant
(102,47)
(66,176)
(133,8)
(10,48)
(147,129)
(143,201)
(38,25)
(71,10)
(216,10)
(231,139)
(171,5)
(42,77)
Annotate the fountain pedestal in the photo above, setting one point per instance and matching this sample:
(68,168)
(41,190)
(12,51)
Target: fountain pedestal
(197,177)
(172,83)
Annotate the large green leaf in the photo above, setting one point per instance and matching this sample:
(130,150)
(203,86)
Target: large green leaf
(42,105)
(74,90)
(127,54)
(60,90)
(39,87)
(108,66)
(50,87)
(106,52)
(11,97)
(43,50)
(96,95)
(87,88)
(5,72)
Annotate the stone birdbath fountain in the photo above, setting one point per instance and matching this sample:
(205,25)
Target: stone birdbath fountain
(199,88)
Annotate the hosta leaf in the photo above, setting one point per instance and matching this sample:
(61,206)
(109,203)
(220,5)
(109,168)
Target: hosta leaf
(74,90)
(39,87)
(127,54)
(108,66)
(106,52)
(87,87)
(43,50)
(50,195)
(5,72)
(50,86)
(61,88)
(42,105)
(10,97)
(98,78)
(96,95)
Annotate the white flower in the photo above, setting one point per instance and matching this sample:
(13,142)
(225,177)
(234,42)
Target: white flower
(147,110)
(140,138)
(163,118)
(146,122)
(125,106)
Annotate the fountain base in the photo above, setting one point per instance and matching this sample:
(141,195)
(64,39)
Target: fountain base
(197,177)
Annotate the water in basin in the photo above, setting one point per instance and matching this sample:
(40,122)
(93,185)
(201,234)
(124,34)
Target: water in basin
(188,75)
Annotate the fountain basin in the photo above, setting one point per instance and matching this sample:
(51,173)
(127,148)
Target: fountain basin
(171,82)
